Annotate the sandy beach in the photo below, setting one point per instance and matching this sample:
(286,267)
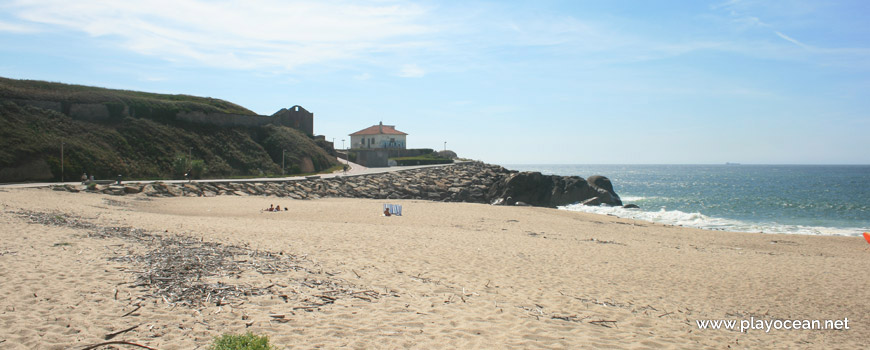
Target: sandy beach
(335,273)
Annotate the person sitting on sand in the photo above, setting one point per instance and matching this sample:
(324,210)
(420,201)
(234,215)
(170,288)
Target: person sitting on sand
(387,212)
(271,207)
(278,208)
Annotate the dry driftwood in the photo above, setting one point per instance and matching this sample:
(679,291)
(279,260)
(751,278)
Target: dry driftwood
(604,323)
(114,334)
(184,270)
(119,342)
(132,311)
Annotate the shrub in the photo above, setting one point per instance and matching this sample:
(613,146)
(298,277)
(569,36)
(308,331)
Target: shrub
(421,161)
(197,168)
(247,341)
(426,159)
(179,165)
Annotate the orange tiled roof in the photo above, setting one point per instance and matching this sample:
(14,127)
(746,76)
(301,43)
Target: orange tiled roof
(379,129)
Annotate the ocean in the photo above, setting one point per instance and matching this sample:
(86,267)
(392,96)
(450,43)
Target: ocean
(793,199)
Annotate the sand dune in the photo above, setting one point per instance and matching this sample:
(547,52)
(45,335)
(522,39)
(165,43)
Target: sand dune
(443,275)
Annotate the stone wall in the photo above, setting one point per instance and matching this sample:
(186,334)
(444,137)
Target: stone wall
(296,117)
(37,169)
(224,119)
(372,158)
(52,105)
(89,111)
(413,152)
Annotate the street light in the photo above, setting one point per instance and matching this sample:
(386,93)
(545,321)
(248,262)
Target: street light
(445,145)
(282,162)
(342,144)
(61,161)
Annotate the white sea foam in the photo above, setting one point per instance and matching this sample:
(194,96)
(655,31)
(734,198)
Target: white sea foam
(627,199)
(698,220)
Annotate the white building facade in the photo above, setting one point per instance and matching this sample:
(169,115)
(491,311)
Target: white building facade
(378,136)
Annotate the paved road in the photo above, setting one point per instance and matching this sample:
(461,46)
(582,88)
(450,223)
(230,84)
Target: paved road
(355,170)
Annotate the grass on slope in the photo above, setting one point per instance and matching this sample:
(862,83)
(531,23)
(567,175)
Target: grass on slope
(142,102)
(142,148)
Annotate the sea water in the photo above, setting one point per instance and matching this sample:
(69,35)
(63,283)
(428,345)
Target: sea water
(800,199)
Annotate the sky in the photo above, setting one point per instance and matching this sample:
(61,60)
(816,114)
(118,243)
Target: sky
(506,82)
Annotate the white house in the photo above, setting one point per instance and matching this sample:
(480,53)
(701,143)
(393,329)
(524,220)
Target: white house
(378,136)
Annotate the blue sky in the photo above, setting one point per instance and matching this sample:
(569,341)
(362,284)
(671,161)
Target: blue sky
(576,82)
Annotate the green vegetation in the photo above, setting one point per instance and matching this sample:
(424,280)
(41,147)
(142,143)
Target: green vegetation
(248,341)
(148,144)
(183,166)
(148,104)
(425,159)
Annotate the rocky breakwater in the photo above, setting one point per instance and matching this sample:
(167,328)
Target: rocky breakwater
(473,182)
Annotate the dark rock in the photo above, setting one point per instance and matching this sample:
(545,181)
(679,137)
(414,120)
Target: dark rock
(115,190)
(172,190)
(550,190)
(150,190)
(594,201)
(604,188)
(600,182)
(631,206)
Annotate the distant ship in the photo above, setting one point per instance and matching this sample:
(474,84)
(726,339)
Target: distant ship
(729,163)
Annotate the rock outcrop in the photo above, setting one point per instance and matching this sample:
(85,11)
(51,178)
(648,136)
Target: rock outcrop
(473,182)
(536,189)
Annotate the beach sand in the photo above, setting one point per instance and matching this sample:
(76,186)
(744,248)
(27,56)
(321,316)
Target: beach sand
(443,275)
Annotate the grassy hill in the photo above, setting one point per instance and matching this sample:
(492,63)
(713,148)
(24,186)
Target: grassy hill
(153,144)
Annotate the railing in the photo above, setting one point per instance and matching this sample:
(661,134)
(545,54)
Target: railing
(387,144)
(382,144)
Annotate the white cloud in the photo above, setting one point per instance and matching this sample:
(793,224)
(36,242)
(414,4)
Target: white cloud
(790,39)
(16,28)
(376,36)
(154,78)
(411,71)
(235,34)
(726,4)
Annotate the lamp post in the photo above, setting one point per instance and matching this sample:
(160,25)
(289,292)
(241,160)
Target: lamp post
(61,161)
(445,145)
(342,144)
(282,162)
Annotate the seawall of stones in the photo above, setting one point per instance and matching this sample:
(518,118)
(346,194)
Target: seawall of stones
(474,182)
(463,182)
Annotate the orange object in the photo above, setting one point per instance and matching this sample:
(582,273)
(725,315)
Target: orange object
(867,237)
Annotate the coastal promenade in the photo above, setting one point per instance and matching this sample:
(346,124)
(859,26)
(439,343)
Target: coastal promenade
(353,170)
